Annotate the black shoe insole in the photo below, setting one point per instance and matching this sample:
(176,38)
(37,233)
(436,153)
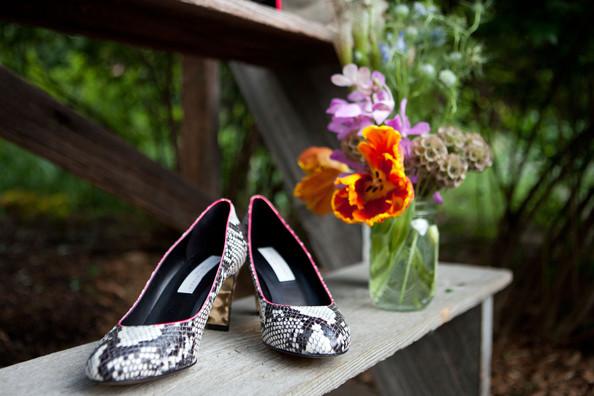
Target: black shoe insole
(173,305)
(290,292)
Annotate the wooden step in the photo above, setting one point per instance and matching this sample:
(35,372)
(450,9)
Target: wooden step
(226,29)
(238,363)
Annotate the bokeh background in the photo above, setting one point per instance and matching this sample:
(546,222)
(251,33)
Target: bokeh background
(72,257)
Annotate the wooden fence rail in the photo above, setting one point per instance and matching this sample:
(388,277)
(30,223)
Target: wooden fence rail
(33,120)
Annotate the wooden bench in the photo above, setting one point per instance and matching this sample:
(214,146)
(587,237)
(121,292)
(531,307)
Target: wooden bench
(442,350)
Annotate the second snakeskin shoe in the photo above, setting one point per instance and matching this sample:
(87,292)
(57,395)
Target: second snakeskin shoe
(192,284)
(297,312)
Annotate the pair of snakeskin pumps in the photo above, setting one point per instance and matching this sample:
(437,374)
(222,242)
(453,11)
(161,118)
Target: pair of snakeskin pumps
(191,288)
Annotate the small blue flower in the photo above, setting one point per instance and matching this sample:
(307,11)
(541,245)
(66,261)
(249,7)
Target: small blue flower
(438,36)
(420,9)
(385,52)
(400,43)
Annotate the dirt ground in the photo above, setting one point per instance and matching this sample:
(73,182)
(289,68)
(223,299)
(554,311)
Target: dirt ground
(67,283)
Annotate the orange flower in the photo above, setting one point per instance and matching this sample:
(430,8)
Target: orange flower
(382,193)
(317,186)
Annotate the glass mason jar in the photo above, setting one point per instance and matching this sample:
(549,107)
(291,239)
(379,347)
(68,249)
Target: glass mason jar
(403,256)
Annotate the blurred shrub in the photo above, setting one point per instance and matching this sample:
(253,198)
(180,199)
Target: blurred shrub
(29,204)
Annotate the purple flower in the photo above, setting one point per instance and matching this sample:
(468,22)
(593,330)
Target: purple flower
(362,79)
(437,198)
(352,76)
(383,105)
(406,147)
(344,127)
(402,124)
(370,102)
(340,156)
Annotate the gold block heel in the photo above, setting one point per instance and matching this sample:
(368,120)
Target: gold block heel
(257,305)
(220,313)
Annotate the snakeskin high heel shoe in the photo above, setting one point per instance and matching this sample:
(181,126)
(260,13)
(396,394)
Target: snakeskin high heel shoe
(161,333)
(297,312)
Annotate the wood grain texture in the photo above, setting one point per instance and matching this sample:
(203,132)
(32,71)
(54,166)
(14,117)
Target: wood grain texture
(35,121)
(445,363)
(486,346)
(200,157)
(238,363)
(289,108)
(226,29)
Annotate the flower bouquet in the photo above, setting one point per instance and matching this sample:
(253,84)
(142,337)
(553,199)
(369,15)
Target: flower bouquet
(388,172)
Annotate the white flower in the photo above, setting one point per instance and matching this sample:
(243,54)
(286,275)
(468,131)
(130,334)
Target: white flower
(401,10)
(427,70)
(448,77)
(352,76)
(411,32)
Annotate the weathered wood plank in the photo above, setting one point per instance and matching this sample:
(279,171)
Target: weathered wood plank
(446,362)
(200,157)
(289,108)
(227,29)
(237,363)
(33,120)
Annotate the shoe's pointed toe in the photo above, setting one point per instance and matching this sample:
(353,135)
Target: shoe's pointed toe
(312,331)
(137,353)
(326,332)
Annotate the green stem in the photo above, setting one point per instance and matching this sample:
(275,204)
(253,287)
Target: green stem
(413,247)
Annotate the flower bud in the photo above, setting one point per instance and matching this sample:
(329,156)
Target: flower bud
(429,150)
(427,70)
(477,152)
(448,78)
(452,137)
(452,171)
(401,10)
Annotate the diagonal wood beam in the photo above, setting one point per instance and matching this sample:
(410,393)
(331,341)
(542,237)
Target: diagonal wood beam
(291,116)
(33,120)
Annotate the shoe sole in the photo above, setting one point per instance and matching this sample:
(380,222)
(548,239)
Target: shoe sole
(302,355)
(142,380)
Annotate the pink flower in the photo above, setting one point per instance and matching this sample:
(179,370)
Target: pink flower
(370,102)
(402,124)
(345,126)
(361,79)
(353,76)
